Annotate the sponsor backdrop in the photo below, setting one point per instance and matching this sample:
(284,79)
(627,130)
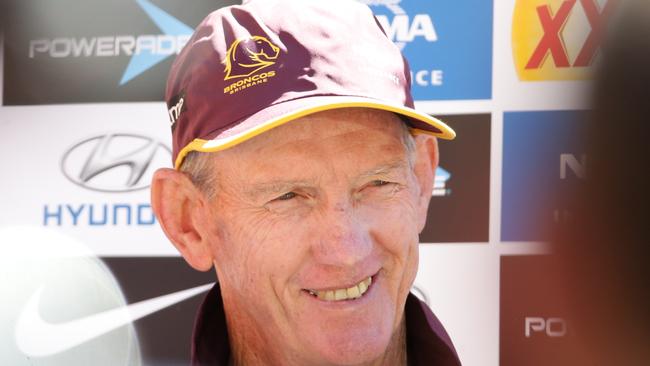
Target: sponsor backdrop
(83,128)
(542,152)
(462,183)
(534,328)
(97,51)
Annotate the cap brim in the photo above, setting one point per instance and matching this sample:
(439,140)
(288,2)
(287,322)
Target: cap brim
(281,113)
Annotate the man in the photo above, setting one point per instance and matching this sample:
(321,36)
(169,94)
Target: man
(299,179)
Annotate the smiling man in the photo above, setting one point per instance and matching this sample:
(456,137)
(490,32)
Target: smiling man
(303,176)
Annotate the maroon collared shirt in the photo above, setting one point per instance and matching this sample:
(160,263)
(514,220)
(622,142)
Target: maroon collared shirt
(427,341)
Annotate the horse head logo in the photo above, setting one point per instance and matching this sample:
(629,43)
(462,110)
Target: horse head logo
(249,55)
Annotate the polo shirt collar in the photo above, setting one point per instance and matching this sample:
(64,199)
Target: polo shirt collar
(427,341)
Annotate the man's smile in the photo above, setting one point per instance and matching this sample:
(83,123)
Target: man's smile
(340,294)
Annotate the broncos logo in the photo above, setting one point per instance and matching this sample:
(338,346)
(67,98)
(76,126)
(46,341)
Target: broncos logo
(247,56)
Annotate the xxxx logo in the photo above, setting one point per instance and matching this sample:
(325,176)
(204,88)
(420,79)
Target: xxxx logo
(558,39)
(245,58)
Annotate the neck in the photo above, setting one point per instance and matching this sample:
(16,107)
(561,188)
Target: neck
(251,347)
(396,352)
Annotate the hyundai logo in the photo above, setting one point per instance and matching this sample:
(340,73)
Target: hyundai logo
(114,162)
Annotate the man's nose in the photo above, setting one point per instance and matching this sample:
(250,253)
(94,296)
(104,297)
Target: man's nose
(342,238)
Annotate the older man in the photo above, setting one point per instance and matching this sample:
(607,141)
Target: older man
(303,175)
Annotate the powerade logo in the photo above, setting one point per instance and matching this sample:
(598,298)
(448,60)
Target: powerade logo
(448,45)
(558,39)
(549,327)
(543,162)
(534,326)
(145,50)
(120,50)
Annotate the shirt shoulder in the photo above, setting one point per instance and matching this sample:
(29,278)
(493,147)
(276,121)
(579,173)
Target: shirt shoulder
(427,340)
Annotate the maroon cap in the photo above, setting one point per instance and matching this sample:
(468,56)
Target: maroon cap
(252,67)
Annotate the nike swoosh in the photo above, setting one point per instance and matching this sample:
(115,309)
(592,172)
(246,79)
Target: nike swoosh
(36,337)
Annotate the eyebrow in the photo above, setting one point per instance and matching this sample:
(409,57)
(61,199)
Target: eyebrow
(384,169)
(275,187)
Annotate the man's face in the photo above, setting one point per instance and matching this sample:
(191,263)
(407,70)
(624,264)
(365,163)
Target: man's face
(304,217)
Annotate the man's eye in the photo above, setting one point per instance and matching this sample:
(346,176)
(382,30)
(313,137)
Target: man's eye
(379,183)
(285,197)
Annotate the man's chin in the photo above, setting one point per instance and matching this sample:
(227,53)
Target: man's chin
(348,332)
(356,341)
(351,348)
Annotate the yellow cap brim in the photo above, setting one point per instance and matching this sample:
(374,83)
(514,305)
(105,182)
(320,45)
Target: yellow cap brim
(314,105)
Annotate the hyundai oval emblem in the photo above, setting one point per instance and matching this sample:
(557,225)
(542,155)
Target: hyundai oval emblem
(115,162)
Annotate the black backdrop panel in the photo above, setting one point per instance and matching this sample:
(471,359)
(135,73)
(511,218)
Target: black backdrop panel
(459,209)
(69,51)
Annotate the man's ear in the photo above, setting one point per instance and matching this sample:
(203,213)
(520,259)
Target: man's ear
(426,162)
(179,207)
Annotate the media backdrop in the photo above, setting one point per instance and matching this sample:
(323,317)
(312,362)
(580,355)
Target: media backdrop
(82,85)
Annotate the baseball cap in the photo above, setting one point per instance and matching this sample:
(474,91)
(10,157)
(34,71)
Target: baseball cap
(252,67)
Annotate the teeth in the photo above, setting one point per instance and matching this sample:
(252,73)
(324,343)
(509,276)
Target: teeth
(362,287)
(340,295)
(353,292)
(329,295)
